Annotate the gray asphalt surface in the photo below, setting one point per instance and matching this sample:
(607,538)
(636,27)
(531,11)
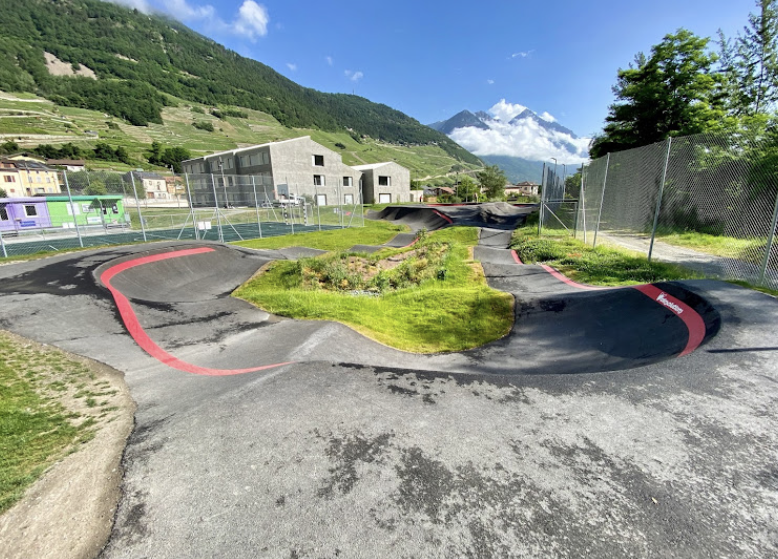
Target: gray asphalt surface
(361,451)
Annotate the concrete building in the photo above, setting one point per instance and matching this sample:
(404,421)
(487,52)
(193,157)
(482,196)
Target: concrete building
(40,212)
(384,183)
(284,170)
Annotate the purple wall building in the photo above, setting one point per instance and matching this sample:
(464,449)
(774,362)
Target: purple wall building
(19,214)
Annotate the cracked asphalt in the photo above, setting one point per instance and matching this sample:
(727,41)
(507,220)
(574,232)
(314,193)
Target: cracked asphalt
(356,452)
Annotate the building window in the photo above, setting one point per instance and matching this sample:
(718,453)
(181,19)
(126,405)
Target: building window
(318,180)
(384,181)
(348,199)
(9,178)
(265,158)
(229,162)
(318,160)
(348,181)
(30,211)
(321,199)
(3,213)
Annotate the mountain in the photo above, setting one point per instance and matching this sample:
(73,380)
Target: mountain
(515,138)
(516,169)
(108,58)
(459,120)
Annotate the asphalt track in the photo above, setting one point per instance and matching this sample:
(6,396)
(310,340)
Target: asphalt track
(609,422)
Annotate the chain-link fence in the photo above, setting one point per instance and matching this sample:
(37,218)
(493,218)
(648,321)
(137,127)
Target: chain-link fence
(89,209)
(708,201)
(557,209)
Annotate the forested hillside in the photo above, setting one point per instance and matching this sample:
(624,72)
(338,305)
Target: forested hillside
(137,59)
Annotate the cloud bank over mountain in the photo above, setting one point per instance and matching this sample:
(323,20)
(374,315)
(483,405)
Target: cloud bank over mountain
(511,129)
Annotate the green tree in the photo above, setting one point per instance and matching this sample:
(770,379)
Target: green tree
(573,185)
(492,180)
(467,189)
(749,64)
(674,92)
(3,193)
(96,188)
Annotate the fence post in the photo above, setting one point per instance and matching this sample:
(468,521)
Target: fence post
(602,200)
(137,206)
(191,207)
(2,245)
(216,207)
(256,205)
(659,199)
(544,182)
(770,241)
(582,203)
(73,210)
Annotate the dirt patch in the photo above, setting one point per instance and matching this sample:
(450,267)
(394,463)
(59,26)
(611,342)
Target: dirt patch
(57,67)
(68,513)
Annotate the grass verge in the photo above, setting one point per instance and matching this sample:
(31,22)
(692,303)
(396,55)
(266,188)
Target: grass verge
(49,404)
(373,233)
(434,300)
(603,265)
(718,245)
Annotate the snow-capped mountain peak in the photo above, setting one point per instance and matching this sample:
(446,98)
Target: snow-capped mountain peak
(511,129)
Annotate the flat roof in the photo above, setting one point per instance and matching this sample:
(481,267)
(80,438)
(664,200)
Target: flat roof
(236,150)
(23,200)
(81,197)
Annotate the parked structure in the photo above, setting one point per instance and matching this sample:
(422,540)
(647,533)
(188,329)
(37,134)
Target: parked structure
(40,212)
(18,214)
(74,165)
(285,170)
(27,177)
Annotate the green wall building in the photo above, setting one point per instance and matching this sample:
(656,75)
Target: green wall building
(104,210)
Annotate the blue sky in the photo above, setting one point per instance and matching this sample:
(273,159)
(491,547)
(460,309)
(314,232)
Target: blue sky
(433,59)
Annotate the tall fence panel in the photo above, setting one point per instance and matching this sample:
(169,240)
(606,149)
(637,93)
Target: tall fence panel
(107,208)
(708,201)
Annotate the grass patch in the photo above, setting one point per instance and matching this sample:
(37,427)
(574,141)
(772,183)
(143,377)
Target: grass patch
(373,233)
(603,265)
(431,297)
(718,245)
(41,419)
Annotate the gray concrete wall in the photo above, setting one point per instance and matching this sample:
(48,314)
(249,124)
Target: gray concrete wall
(399,187)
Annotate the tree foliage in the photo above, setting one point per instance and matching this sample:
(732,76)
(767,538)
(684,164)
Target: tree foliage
(167,157)
(492,180)
(467,189)
(673,92)
(749,63)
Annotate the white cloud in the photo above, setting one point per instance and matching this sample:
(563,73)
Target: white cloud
(490,82)
(252,20)
(547,117)
(505,111)
(140,5)
(183,10)
(291,66)
(354,76)
(522,54)
(329,60)
(527,139)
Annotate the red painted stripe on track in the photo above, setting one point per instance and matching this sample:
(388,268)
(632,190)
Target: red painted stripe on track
(694,322)
(139,334)
(691,318)
(443,216)
(516,257)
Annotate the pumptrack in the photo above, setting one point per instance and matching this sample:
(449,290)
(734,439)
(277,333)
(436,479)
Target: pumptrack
(175,302)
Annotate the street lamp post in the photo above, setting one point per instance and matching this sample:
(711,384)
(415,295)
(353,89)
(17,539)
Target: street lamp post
(224,183)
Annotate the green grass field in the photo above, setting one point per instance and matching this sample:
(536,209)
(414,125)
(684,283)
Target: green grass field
(36,429)
(431,302)
(603,265)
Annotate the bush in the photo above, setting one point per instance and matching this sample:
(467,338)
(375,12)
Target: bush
(202,125)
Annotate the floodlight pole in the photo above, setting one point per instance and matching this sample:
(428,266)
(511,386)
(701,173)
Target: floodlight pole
(256,205)
(137,205)
(602,200)
(191,207)
(216,206)
(659,199)
(73,210)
